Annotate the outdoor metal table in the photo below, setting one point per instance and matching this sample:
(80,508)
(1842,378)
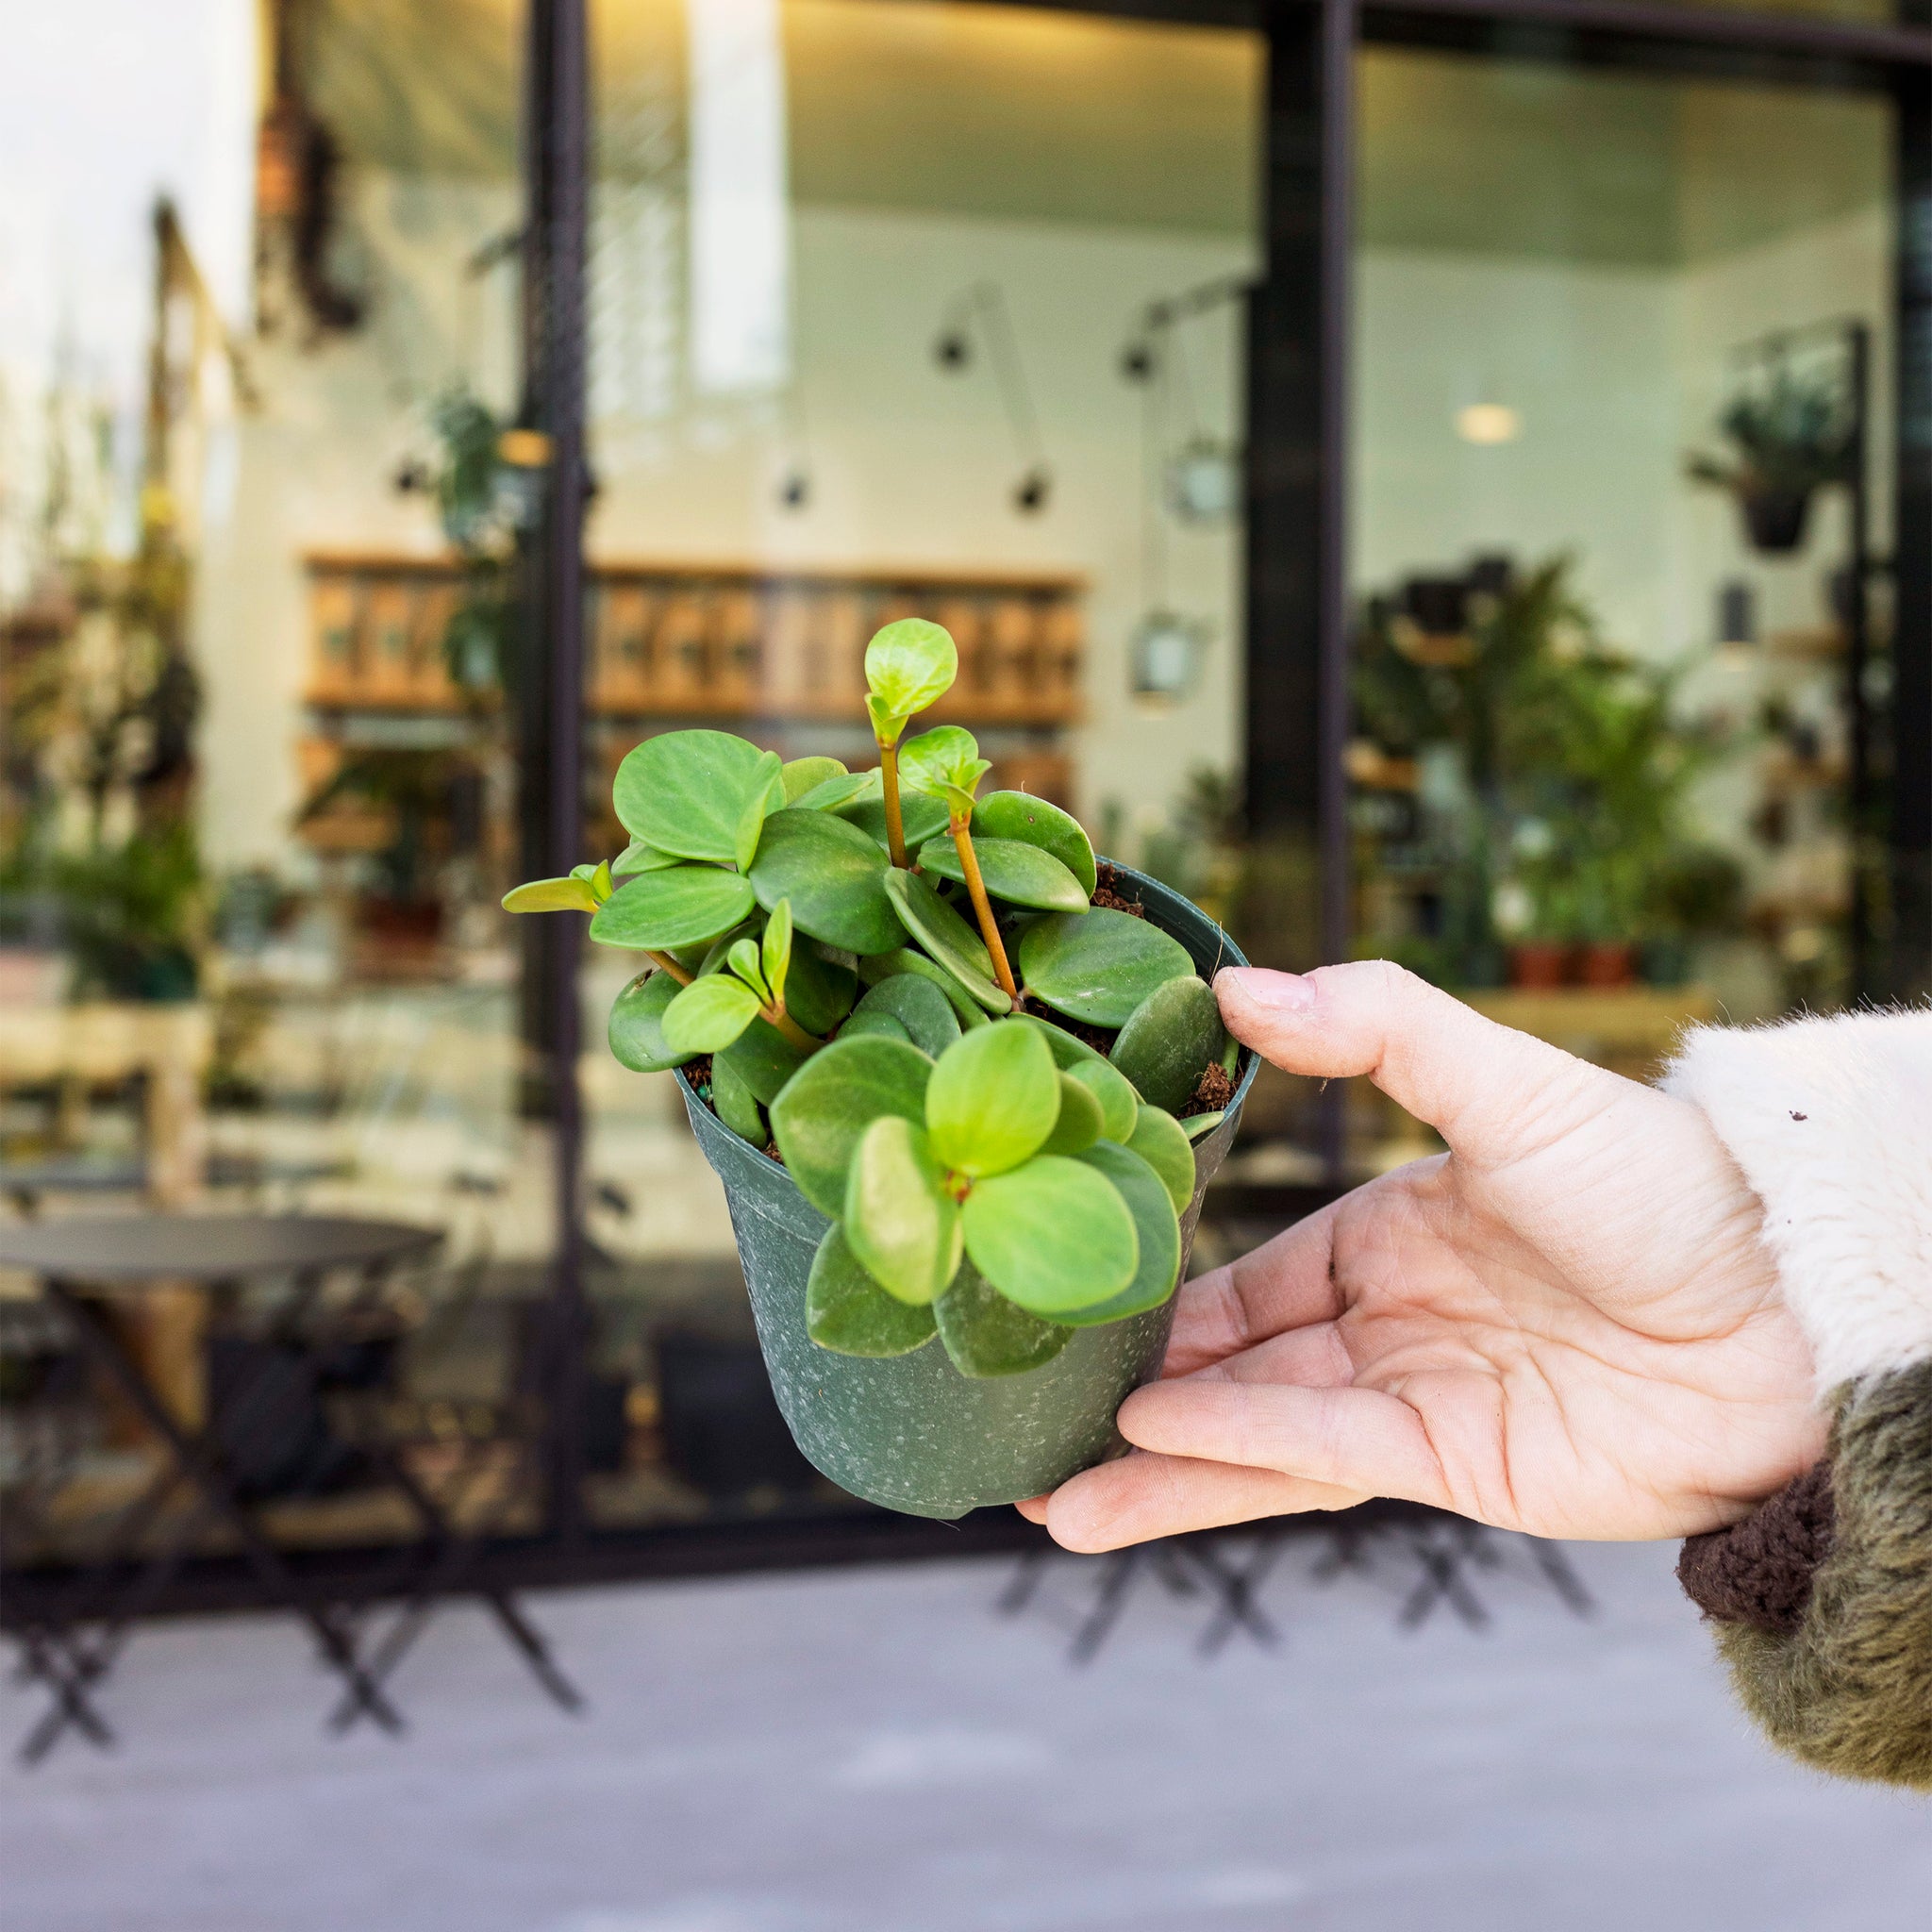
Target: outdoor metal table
(82,1263)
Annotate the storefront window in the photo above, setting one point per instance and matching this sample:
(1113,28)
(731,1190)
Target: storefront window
(898,309)
(257,343)
(1620,531)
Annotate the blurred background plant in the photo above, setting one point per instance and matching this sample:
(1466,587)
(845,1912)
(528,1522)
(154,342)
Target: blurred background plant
(98,853)
(481,502)
(1520,783)
(1790,436)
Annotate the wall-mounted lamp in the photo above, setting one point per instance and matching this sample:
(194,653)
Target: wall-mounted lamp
(978,318)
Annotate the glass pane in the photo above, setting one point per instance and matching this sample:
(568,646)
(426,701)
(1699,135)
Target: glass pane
(259,322)
(1608,413)
(866,279)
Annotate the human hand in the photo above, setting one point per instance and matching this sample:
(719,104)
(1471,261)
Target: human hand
(1566,1325)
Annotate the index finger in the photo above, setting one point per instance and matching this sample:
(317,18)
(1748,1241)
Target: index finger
(1285,1283)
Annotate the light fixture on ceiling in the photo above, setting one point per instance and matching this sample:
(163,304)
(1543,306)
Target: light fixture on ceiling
(1489,422)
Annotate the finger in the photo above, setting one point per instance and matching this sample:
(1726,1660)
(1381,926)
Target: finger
(1034,1508)
(1491,1091)
(1350,1439)
(1141,1497)
(1313,1357)
(1282,1283)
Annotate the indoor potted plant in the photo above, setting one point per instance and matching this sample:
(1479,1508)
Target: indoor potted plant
(964,1084)
(1788,441)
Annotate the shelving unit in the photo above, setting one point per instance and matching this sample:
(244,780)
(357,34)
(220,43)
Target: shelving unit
(776,653)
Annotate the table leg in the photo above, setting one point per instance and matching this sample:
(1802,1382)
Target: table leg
(200,1463)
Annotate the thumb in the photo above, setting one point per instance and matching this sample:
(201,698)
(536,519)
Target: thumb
(1489,1091)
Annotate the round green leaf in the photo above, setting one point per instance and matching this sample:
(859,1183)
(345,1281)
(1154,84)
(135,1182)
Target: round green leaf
(1120,1106)
(946,936)
(848,1312)
(764,1060)
(571,894)
(919,1006)
(884,966)
(1169,1041)
(834,876)
(818,991)
(1163,1143)
(1099,966)
(1021,875)
(676,907)
(736,1105)
(836,792)
(1198,1126)
(991,1100)
(985,1335)
(909,665)
(1159,1272)
(765,795)
(899,1223)
(709,1013)
(802,775)
(1079,1124)
(1034,822)
(638,856)
(774,954)
(743,961)
(923,817)
(819,1115)
(878,1024)
(1068,1052)
(945,763)
(686,792)
(635,1031)
(1054,1236)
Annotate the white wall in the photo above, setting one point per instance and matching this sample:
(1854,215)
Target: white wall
(910,464)
(1586,356)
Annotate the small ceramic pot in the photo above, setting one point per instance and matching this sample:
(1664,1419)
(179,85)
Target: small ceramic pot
(909,1431)
(1775,520)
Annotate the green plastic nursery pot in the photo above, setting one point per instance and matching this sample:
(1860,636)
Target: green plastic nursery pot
(909,1431)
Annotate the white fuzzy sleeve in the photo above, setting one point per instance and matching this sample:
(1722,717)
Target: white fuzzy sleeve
(1831,1121)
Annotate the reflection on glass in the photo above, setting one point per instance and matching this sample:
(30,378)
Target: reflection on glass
(1621,343)
(257,349)
(984,369)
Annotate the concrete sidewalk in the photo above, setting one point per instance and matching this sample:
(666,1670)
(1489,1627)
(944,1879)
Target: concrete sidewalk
(877,1751)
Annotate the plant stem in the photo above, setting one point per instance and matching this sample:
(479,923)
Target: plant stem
(777,1016)
(989,930)
(895,825)
(665,963)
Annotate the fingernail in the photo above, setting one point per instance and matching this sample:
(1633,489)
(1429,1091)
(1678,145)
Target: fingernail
(1273,993)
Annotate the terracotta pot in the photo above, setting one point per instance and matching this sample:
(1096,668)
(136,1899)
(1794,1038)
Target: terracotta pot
(1608,962)
(1537,965)
(909,1431)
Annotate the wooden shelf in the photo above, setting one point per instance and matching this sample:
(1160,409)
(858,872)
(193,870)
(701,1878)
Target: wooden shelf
(679,638)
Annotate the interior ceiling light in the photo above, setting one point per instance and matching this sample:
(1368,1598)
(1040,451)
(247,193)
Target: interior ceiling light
(1489,422)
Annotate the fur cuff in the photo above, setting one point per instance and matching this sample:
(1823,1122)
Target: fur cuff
(1831,1121)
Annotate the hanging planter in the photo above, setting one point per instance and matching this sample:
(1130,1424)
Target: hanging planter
(1775,520)
(1789,438)
(965,1085)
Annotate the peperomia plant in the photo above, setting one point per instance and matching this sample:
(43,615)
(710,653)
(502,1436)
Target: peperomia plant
(843,947)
